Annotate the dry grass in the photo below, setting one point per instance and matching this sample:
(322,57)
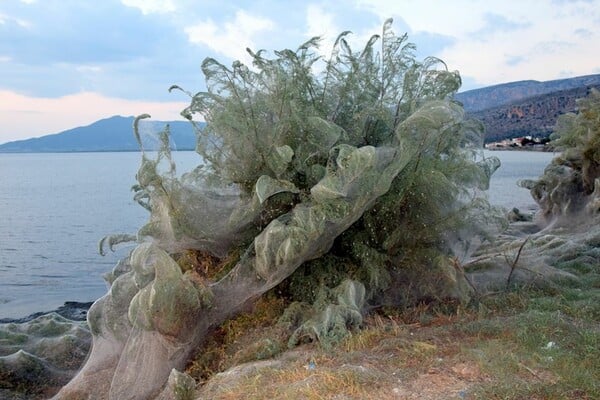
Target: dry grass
(501,352)
(385,360)
(535,344)
(301,383)
(250,336)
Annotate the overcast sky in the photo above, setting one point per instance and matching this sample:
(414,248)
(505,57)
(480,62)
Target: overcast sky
(67,63)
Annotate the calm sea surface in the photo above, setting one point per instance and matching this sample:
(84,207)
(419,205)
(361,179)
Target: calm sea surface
(516,165)
(54,208)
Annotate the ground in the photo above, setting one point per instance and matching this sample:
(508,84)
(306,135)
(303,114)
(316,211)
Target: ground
(522,344)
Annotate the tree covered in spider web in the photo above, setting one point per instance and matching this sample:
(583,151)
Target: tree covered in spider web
(273,130)
(281,118)
(570,186)
(348,180)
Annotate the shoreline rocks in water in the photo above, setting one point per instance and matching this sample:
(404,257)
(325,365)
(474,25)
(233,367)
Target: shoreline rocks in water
(72,310)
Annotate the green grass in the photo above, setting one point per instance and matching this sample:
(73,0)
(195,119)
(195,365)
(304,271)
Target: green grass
(541,344)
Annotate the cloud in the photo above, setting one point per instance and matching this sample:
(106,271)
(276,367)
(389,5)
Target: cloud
(321,23)
(232,37)
(551,47)
(135,49)
(430,44)
(151,6)
(439,17)
(94,69)
(79,32)
(583,33)
(496,23)
(515,60)
(105,47)
(24,116)
(11,22)
(498,42)
(328,21)
(132,80)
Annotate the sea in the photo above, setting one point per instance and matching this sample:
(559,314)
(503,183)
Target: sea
(55,207)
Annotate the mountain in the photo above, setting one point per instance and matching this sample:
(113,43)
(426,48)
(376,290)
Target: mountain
(525,108)
(507,93)
(515,109)
(110,134)
(535,116)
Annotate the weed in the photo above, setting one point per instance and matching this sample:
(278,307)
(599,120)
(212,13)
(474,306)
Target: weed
(241,339)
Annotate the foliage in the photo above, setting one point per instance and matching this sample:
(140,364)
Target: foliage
(571,183)
(280,123)
(250,336)
(280,119)
(578,137)
(277,131)
(337,184)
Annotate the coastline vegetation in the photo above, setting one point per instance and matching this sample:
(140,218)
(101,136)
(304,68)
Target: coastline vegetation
(344,184)
(337,243)
(432,335)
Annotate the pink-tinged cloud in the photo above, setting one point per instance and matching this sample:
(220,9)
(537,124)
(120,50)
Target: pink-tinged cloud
(23,117)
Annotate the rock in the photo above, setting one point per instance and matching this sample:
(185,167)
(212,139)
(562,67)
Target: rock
(515,215)
(180,386)
(71,310)
(74,310)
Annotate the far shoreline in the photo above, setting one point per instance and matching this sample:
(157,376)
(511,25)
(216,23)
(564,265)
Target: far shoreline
(524,149)
(72,310)
(510,148)
(87,151)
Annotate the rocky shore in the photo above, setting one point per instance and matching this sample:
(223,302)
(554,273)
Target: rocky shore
(72,310)
(43,351)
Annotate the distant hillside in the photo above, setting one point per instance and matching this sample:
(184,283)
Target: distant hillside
(510,93)
(110,134)
(508,110)
(535,116)
(525,108)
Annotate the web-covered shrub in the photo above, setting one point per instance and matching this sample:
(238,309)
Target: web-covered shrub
(343,181)
(273,128)
(571,183)
(363,156)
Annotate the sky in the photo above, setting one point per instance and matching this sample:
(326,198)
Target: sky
(68,63)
